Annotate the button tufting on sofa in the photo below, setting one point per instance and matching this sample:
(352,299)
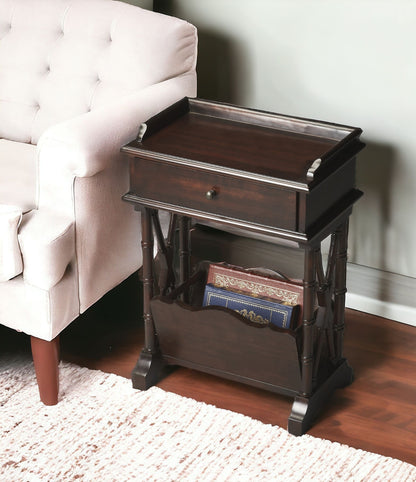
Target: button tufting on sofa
(70,97)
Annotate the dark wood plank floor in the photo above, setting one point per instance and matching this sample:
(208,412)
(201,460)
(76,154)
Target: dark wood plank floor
(376,413)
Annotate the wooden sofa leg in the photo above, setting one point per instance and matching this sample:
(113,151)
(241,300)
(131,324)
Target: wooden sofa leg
(46,360)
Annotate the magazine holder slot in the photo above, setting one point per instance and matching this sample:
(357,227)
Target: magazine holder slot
(217,340)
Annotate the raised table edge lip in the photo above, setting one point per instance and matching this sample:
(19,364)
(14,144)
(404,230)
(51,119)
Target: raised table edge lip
(226,111)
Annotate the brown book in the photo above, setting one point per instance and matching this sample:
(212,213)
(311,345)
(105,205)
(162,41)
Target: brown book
(256,282)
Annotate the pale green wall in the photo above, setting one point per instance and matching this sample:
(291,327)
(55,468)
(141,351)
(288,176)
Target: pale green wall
(347,61)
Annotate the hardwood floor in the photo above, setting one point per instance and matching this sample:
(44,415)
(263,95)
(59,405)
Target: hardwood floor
(376,413)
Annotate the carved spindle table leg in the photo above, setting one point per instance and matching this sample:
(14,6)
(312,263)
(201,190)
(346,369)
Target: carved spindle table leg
(309,291)
(166,275)
(299,417)
(329,322)
(147,248)
(325,301)
(148,369)
(322,297)
(308,404)
(171,231)
(340,287)
(184,253)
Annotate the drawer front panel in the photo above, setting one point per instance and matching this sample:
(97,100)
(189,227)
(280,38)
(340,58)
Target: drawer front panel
(233,197)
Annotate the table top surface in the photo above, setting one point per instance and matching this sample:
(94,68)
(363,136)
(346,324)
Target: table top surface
(266,144)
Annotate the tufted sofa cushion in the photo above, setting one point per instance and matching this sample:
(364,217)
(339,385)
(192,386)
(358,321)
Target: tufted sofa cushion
(56,64)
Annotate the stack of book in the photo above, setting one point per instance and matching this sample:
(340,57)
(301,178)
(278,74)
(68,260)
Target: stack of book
(257,295)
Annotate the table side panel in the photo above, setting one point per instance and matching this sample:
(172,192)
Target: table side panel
(323,198)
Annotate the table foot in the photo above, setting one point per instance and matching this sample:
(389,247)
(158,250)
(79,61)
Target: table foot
(306,409)
(149,370)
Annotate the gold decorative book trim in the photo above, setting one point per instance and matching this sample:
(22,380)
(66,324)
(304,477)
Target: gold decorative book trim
(250,315)
(255,289)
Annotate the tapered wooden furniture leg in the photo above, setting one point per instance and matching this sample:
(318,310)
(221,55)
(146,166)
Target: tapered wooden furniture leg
(184,253)
(147,249)
(150,367)
(340,287)
(308,404)
(46,360)
(309,284)
(299,419)
(166,276)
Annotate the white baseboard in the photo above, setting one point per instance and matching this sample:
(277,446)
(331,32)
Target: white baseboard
(381,293)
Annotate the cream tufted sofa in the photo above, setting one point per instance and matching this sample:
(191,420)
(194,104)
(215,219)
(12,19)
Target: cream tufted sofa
(77,77)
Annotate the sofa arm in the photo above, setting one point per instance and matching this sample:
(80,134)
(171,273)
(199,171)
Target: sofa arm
(88,143)
(47,244)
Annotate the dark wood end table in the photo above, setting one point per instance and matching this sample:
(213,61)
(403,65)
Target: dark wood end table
(286,177)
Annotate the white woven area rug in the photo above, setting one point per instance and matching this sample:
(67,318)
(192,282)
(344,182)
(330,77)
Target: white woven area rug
(103,430)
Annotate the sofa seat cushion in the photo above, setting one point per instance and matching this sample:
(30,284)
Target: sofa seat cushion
(18,174)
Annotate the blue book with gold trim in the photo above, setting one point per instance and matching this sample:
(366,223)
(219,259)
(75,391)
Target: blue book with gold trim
(257,310)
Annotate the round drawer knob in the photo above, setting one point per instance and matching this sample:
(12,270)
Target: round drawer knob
(211,194)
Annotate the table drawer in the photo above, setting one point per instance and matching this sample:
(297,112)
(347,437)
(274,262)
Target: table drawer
(231,196)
